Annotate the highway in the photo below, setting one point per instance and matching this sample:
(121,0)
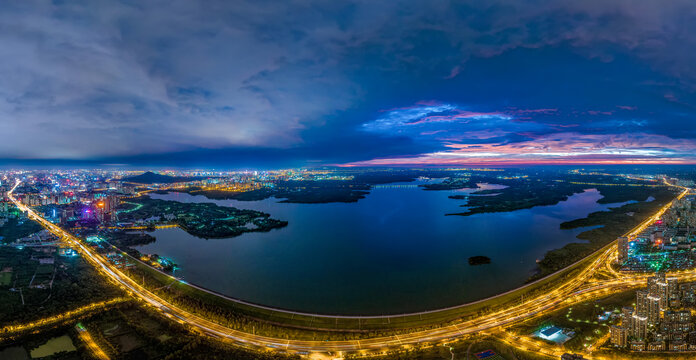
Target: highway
(580,288)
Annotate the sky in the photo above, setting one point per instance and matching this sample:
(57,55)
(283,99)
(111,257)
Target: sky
(350,83)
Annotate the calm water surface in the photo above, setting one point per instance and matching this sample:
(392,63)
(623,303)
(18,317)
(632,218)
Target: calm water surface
(394,251)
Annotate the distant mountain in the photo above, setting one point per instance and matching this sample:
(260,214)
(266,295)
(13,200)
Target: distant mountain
(154,178)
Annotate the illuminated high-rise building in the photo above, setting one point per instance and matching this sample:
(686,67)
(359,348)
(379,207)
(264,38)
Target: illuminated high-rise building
(653,310)
(654,283)
(642,302)
(619,335)
(639,328)
(665,288)
(672,289)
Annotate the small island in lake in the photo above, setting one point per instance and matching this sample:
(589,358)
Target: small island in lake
(303,192)
(205,220)
(479,260)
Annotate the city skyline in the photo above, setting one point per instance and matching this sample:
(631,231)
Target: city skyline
(248,84)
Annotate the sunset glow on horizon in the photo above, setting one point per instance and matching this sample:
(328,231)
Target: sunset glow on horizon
(523,137)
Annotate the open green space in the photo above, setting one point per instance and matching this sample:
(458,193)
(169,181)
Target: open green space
(583,319)
(124,239)
(75,283)
(17,228)
(53,346)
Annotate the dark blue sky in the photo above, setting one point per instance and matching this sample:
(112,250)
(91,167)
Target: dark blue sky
(261,83)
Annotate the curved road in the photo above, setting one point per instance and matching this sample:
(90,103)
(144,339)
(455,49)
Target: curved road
(579,288)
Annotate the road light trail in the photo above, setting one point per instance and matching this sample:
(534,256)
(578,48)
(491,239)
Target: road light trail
(66,316)
(577,289)
(93,347)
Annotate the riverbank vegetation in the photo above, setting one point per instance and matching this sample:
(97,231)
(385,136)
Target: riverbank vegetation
(606,225)
(525,192)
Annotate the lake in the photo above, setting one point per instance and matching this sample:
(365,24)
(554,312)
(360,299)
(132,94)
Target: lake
(394,251)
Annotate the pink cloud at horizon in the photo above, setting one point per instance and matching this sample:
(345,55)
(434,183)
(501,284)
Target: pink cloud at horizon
(561,148)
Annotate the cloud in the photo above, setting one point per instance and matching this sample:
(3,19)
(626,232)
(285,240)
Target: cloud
(105,79)
(488,138)
(445,123)
(453,73)
(561,148)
